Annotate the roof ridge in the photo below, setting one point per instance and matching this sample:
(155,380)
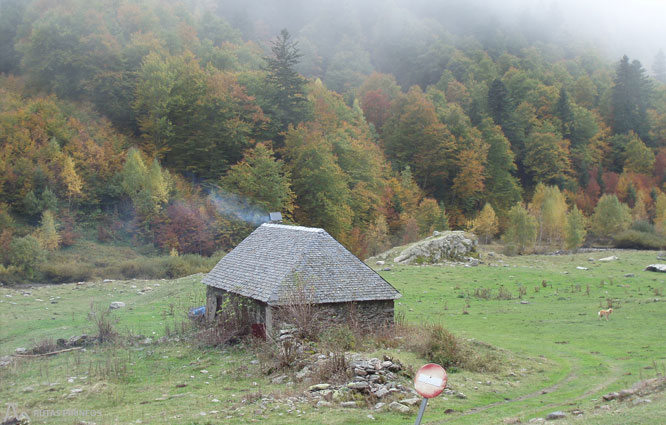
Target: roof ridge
(290,227)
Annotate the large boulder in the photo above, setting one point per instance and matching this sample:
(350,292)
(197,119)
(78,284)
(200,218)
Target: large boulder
(444,246)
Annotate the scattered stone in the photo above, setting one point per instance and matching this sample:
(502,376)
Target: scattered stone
(303,373)
(358,386)
(607,259)
(108,280)
(411,401)
(279,379)
(461,395)
(348,404)
(611,396)
(21,350)
(380,263)
(524,302)
(556,415)
(511,421)
(582,268)
(639,400)
(386,269)
(116,305)
(381,392)
(629,275)
(77,390)
(656,268)
(323,403)
(397,407)
(319,387)
(28,389)
(203,371)
(537,420)
(626,394)
(379,406)
(577,412)
(372,418)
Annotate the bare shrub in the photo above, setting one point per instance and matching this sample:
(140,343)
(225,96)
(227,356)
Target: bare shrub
(503,294)
(334,369)
(483,293)
(44,345)
(232,322)
(522,291)
(104,325)
(300,310)
(276,355)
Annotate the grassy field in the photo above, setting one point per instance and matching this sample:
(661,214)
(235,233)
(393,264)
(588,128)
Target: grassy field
(537,313)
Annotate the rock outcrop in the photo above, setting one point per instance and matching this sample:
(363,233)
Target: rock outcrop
(442,246)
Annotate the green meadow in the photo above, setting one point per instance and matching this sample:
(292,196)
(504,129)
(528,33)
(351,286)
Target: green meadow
(536,314)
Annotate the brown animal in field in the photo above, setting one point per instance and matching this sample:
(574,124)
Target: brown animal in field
(605,313)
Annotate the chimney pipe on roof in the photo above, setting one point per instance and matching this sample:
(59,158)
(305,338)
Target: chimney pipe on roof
(275,217)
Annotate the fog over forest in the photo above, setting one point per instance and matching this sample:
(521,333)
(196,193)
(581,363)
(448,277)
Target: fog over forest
(618,27)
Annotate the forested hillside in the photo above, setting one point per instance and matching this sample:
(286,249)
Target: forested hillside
(181,125)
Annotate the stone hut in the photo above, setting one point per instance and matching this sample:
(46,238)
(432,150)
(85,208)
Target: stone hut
(277,261)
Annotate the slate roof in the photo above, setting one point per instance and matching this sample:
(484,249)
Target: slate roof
(275,258)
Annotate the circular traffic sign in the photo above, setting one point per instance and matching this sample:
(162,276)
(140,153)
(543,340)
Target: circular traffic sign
(430,380)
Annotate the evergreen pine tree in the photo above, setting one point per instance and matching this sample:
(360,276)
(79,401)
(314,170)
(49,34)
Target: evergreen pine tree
(288,98)
(565,113)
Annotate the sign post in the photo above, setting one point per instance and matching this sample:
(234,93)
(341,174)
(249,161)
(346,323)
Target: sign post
(429,382)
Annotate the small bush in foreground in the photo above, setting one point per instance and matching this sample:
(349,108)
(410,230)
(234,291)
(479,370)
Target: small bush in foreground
(442,347)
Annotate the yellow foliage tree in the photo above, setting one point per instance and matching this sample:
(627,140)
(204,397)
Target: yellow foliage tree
(549,207)
(639,211)
(47,235)
(72,181)
(485,225)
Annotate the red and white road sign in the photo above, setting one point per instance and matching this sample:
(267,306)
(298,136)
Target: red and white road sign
(430,380)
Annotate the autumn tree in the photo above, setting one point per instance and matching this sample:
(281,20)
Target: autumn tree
(430,216)
(485,224)
(262,179)
(521,230)
(610,217)
(319,184)
(194,120)
(660,213)
(638,157)
(26,254)
(549,208)
(415,137)
(378,236)
(48,235)
(575,231)
(72,181)
(147,187)
(133,174)
(546,158)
